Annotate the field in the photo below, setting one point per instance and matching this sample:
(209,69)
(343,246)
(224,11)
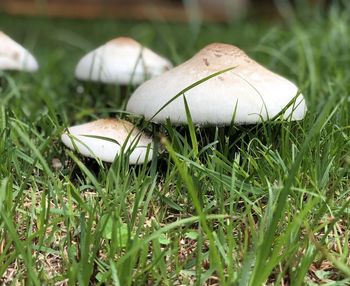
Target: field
(241,205)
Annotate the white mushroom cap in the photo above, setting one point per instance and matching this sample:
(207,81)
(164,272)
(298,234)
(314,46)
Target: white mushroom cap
(15,57)
(104,139)
(249,93)
(123,61)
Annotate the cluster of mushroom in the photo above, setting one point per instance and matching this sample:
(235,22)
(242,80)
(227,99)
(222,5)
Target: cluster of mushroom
(227,87)
(120,61)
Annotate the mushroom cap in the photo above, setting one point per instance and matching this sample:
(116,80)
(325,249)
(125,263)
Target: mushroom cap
(104,139)
(123,61)
(248,93)
(15,57)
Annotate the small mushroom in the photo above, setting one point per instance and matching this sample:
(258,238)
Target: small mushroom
(106,138)
(249,93)
(15,57)
(122,61)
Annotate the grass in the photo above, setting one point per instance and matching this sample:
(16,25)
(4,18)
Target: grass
(244,205)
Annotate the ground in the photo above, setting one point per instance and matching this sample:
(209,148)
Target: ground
(258,204)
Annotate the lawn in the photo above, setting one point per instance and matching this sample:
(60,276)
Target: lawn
(241,205)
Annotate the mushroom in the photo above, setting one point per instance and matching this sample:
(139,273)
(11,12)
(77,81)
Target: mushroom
(15,57)
(123,61)
(246,94)
(107,138)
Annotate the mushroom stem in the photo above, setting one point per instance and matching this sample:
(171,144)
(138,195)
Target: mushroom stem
(221,131)
(156,148)
(123,96)
(2,82)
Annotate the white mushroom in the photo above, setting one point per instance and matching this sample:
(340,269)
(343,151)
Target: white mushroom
(15,57)
(105,138)
(249,93)
(122,61)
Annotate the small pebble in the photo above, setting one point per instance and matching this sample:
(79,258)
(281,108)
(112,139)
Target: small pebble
(56,164)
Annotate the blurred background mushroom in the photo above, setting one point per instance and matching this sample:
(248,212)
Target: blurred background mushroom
(15,57)
(121,61)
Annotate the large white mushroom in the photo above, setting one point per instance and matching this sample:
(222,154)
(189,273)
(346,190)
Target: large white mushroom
(248,93)
(15,57)
(122,61)
(106,138)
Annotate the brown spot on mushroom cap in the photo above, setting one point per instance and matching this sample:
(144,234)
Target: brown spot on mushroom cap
(113,123)
(121,128)
(221,56)
(224,54)
(166,68)
(124,41)
(15,55)
(219,49)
